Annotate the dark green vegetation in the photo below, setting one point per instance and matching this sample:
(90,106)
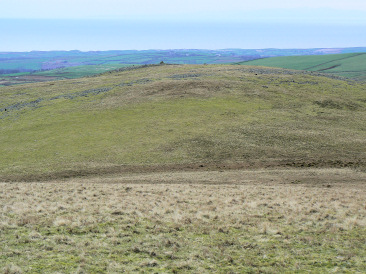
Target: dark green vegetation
(176,116)
(351,65)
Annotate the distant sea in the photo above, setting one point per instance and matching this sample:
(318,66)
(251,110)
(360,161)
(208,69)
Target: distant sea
(85,35)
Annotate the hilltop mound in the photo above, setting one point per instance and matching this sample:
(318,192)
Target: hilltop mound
(174,117)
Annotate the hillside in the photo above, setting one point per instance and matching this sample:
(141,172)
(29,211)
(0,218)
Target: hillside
(351,65)
(174,117)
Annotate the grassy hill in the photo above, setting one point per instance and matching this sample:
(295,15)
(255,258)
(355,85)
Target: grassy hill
(351,65)
(181,117)
(194,124)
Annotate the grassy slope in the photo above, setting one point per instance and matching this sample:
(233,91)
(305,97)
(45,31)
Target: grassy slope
(284,220)
(352,65)
(272,221)
(181,114)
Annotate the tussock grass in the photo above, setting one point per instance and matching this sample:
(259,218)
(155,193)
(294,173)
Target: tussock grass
(233,221)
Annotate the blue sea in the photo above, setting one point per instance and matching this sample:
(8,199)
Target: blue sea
(85,35)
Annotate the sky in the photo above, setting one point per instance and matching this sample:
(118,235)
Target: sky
(176,24)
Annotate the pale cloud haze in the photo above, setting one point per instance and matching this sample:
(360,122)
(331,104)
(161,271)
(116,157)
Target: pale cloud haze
(160,8)
(161,24)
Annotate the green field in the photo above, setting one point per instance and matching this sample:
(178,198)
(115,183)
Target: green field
(58,74)
(351,65)
(80,71)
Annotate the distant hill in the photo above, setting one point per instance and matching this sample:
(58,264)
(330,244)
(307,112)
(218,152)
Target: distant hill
(12,62)
(351,65)
(38,66)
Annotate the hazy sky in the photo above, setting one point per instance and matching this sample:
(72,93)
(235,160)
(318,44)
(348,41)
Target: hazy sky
(164,8)
(143,24)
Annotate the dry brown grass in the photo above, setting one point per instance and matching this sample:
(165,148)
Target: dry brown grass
(263,220)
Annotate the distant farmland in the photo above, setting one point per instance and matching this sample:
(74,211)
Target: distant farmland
(27,67)
(351,65)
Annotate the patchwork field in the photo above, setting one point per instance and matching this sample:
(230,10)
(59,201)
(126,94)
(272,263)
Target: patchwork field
(29,67)
(57,74)
(350,65)
(283,220)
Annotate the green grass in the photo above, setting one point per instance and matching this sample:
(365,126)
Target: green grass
(266,218)
(80,71)
(158,115)
(28,64)
(132,135)
(283,220)
(351,65)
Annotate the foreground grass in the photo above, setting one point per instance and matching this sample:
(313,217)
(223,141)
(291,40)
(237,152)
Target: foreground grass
(239,221)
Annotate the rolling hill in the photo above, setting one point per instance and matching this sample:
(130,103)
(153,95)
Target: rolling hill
(173,117)
(350,65)
(11,62)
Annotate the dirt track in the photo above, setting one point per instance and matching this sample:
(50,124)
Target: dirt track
(196,167)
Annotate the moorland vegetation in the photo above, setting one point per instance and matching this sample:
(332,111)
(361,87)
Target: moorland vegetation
(184,168)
